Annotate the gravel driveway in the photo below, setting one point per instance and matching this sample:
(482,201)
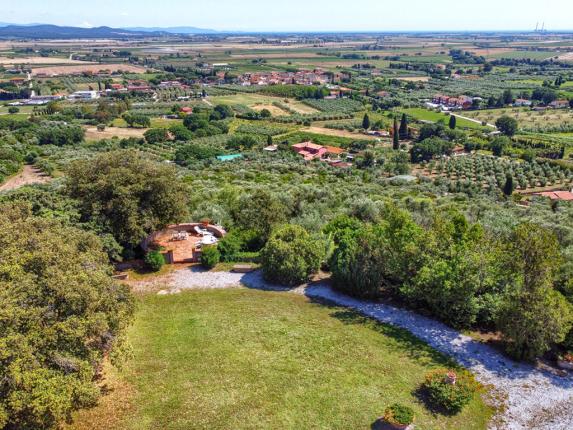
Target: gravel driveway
(535,399)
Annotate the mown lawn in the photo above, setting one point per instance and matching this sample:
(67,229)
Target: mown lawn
(430,115)
(244,359)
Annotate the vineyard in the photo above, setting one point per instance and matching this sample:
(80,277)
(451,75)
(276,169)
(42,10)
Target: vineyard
(546,145)
(262,129)
(345,106)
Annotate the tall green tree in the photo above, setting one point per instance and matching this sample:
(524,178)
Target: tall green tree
(259,211)
(509,185)
(366,122)
(499,144)
(62,313)
(395,136)
(507,125)
(533,316)
(507,97)
(126,194)
(452,122)
(403,127)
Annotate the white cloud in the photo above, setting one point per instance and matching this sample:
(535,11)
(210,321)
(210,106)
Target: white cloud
(86,24)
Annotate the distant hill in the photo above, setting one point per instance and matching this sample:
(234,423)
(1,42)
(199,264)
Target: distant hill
(174,30)
(46,31)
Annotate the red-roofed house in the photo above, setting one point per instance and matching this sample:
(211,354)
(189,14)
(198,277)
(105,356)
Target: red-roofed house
(559,104)
(556,195)
(309,150)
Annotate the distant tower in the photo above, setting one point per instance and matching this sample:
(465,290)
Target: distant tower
(537,27)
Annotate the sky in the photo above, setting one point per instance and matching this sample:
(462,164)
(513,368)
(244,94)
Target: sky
(297,15)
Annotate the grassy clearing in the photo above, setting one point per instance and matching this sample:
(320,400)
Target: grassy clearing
(258,100)
(247,359)
(429,115)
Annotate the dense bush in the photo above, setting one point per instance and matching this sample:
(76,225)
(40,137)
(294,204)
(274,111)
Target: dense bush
(398,414)
(59,134)
(450,391)
(429,149)
(231,245)
(185,155)
(154,260)
(210,256)
(372,258)
(291,256)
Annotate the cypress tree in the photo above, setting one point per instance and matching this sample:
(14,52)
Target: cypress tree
(366,122)
(509,186)
(452,122)
(396,137)
(404,127)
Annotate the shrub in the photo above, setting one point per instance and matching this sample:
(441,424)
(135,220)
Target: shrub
(154,260)
(230,246)
(291,255)
(13,110)
(398,414)
(210,256)
(449,390)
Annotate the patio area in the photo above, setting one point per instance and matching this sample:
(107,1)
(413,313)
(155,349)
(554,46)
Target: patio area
(182,243)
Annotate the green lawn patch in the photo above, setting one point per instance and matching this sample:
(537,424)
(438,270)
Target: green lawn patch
(246,359)
(430,115)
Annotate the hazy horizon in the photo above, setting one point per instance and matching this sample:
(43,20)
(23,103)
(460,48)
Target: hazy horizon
(298,15)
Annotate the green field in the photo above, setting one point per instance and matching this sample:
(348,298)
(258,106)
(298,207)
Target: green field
(429,115)
(254,100)
(247,359)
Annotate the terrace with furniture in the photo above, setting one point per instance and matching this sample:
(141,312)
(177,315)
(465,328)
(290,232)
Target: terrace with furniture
(183,243)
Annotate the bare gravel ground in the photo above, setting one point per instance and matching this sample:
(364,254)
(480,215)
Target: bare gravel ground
(532,398)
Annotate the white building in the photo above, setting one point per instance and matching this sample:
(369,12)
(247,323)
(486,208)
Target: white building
(84,95)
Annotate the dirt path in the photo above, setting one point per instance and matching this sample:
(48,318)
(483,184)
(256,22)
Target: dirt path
(531,398)
(473,120)
(29,175)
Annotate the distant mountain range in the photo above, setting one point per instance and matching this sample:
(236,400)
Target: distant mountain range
(174,30)
(48,31)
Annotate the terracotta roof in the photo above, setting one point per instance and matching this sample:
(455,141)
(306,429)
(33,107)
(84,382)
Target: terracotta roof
(334,150)
(307,145)
(557,195)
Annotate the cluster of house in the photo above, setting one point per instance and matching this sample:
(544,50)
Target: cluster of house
(448,103)
(466,102)
(330,154)
(302,77)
